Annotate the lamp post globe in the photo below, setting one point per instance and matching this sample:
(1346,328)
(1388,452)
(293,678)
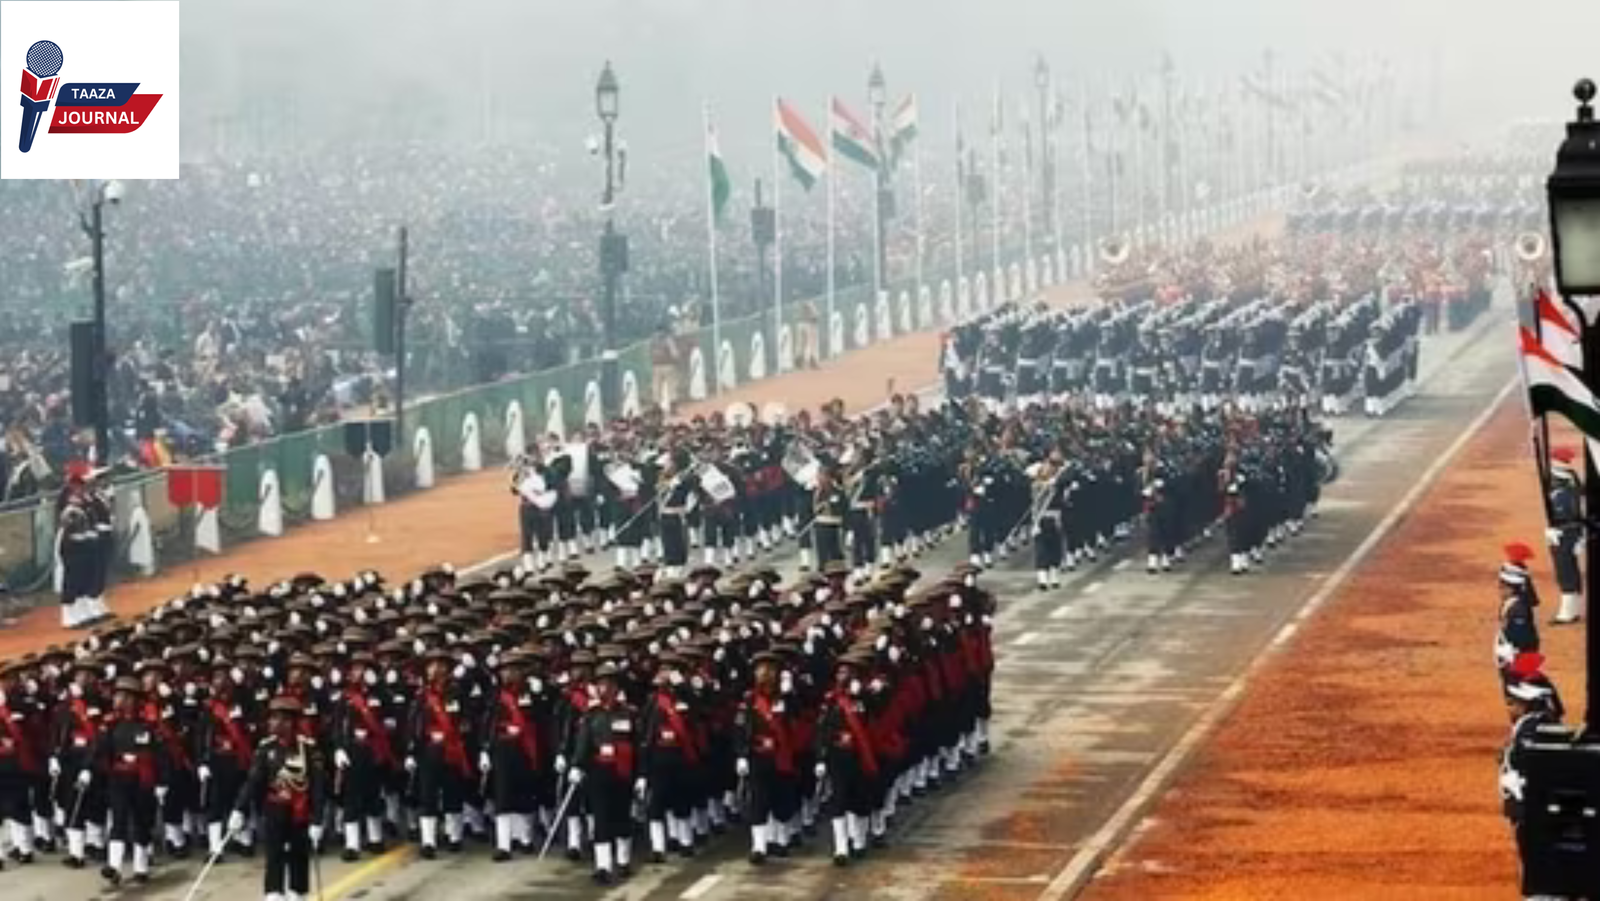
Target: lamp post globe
(1573,190)
(606,93)
(877,90)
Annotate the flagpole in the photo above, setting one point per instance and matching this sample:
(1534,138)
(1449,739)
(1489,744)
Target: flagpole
(961,193)
(1088,176)
(1027,185)
(832,173)
(995,124)
(1141,184)
(777,241)
(877,217)
(916,185)
(711,249)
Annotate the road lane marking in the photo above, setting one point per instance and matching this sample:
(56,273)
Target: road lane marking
(1094,586)
(1025,638)
(702,885)
(1121,565)
(348,883)
(1111,834)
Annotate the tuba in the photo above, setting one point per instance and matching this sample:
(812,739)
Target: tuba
(1115,249)
(1531,247)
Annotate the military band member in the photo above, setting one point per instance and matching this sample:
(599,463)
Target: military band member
(1565,533)
(829,507)
(679,498)
(1049,506)
(286,784)
(605,761)
(865,489)
(532,483)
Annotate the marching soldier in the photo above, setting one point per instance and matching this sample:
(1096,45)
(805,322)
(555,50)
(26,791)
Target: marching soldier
(679,498)
(513,757)
(606,757)
(363,754)
(438,756)
(671,759)
(846,757)
(286,784)
(76,735)
(226,748)
(1049,505)
(865,491)
(766,760)
(20,763)
(1565,532)
(133,759)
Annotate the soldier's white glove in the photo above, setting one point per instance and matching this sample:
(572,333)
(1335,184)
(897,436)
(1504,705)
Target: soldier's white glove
(561,764)
(203,773)
(575,776)
(236,821)
(822,771)
(316,836)
(55,768)
(640,787)
(161,794)
(484,764)
(411,764)
(84,778)
(742,767)
(341,759)
(1552,536)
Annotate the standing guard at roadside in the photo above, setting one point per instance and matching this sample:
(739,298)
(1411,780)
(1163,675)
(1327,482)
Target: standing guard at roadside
(1565,533)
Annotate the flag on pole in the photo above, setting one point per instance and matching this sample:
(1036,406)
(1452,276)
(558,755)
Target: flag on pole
(851,137)
(1557,333)
(721,187)
(799,144)
(903,127)
(1554,387)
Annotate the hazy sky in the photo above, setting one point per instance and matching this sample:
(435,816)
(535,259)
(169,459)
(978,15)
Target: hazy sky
(512,68)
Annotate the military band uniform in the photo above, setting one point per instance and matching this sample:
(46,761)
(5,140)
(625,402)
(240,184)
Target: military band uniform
(286,784)
(678,500)
(830,505)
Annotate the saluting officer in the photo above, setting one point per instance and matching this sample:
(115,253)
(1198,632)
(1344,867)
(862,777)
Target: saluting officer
(1565,532)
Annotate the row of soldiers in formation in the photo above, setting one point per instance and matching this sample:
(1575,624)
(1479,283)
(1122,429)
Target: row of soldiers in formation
(1531,698)
(598,707)
(873,491)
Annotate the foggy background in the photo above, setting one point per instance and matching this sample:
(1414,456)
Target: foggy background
(477,71)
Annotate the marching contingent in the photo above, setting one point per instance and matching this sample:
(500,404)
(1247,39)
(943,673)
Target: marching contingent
(692,688)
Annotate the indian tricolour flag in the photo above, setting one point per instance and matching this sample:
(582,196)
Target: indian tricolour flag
(903,127)
(799,144)
(1557,332)
(720,186)
(850,137)
(1554,387)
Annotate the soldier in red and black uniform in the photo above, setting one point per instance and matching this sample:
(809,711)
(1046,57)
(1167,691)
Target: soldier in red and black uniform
(132,757)
(846,757)
(224,745)
(363,756)
(438,755)
(286,785)
(160,710)
(513,755)
(396,688)
(605,755)
(21,760)
(575,698)
(75,736)
(671,759)
(767,760)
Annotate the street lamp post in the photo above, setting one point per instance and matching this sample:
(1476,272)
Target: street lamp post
(878,96)
(1574,196)
(1047,174)
(613,245)
(94,226)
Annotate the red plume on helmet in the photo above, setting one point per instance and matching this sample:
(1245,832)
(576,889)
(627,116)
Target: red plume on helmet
(1525,665)
(1518,552)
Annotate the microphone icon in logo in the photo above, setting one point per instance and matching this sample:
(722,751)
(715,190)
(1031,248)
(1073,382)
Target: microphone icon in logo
(39,84)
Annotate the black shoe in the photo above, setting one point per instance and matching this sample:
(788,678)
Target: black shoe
(657,857)
(500,856)
(574,854)
(26,858)
(524,848)
(44,845)
(350,855)
(454,847)
(141,878)
(841,860)
(375,848)
(757,858)
(780,849)
(603,877)
(111,875)
(429,852)
(624,870)
(73,863)
(178,852)
(857,853)
(685,850)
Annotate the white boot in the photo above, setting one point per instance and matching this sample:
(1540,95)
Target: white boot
(624,853)
(502,833)
(352,836)
(1152,563)
(758,841)
(141,860)
(70,615)
(841,839)
(602,858)
(1055,577)
(658,838)
(430,832)
(1043,579)
(1571,608)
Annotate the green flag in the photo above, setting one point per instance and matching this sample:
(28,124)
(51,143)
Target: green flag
(721,188)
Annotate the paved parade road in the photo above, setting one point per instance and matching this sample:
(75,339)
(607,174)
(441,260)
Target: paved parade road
(1096,686)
